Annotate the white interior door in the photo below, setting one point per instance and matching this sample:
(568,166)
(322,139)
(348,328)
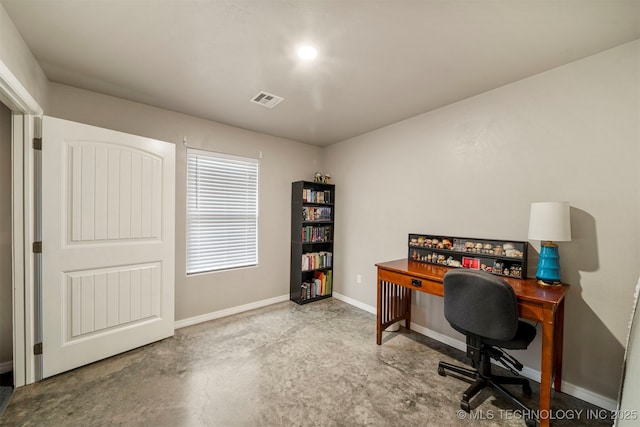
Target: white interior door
(108,243)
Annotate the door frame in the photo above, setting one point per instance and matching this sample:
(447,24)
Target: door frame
(26,114)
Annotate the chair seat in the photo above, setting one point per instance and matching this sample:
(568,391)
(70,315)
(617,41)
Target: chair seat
(524,335)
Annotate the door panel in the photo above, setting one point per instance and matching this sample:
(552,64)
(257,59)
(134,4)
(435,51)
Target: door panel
(115,193)
(108,243)
(105,299)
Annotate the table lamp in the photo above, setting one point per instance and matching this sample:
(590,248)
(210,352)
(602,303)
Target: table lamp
(549,221)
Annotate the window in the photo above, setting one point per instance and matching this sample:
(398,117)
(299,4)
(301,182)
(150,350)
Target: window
(222,211)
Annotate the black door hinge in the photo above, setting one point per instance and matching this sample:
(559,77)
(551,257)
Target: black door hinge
(37,349)
(37,143)
(37,247)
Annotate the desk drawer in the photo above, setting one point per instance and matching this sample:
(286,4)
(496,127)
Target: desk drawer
(530,311)
(415,283)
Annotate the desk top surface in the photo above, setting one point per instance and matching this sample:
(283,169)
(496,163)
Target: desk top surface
(526,289)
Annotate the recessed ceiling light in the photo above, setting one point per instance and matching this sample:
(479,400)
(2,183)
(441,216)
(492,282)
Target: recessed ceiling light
(307,52)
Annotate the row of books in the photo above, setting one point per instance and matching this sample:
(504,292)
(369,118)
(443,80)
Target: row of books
(316,234)
(316,260)
(316,214)
(316,196)
(320,285)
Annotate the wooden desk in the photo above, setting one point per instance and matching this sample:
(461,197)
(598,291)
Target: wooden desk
(541,304)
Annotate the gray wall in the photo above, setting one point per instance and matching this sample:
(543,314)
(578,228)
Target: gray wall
(472,169)
(282,162)
(6,321)
(469,169)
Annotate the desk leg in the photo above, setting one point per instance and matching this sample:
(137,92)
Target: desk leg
(546,371)
(558,344)
(393,305)
(407,305)
(379,314)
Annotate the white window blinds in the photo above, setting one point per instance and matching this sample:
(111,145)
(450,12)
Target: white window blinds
(222,211)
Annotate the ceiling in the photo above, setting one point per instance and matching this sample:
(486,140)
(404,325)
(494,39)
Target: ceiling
(379,62)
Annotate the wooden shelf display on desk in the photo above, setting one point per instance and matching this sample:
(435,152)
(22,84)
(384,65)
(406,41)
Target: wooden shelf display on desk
(499,257)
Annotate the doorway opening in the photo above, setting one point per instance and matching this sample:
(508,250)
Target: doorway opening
(6,267)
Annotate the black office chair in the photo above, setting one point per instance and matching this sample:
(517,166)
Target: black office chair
(484,308)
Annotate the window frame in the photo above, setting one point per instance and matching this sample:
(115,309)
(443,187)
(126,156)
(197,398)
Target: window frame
(214,267)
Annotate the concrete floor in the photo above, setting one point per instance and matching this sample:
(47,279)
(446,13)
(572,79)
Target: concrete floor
(282,365)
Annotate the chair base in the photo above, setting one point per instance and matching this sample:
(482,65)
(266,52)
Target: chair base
(489,380)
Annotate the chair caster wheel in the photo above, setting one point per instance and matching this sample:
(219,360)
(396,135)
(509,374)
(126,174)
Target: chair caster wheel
(530,422)
(441,371)
(526,389)
(465,406)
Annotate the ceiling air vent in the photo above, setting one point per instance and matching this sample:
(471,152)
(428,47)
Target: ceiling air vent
(267,99)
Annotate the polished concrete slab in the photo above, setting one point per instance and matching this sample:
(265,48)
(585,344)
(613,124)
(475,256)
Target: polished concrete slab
(282,365)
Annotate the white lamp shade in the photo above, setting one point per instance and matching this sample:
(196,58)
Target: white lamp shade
(549,221)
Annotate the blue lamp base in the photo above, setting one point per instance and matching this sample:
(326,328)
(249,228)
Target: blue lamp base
(548,264)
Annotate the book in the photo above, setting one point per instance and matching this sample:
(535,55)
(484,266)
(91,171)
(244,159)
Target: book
(316,260)
(316,196)
(313,213)
(316,234)
(321,282)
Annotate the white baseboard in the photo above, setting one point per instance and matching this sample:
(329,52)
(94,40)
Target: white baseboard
(532,374)
(445,339)
(6,366)
(355,303)
(589,396)
(228,312)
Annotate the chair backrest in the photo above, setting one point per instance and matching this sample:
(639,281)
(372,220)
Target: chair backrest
(480,303)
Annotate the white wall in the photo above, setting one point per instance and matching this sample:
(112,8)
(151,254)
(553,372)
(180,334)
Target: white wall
(630,389)
(6,320)
(15,54)
(472,168)
(283,161)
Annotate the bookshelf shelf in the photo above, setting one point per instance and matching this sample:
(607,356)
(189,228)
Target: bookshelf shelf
(312,228)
